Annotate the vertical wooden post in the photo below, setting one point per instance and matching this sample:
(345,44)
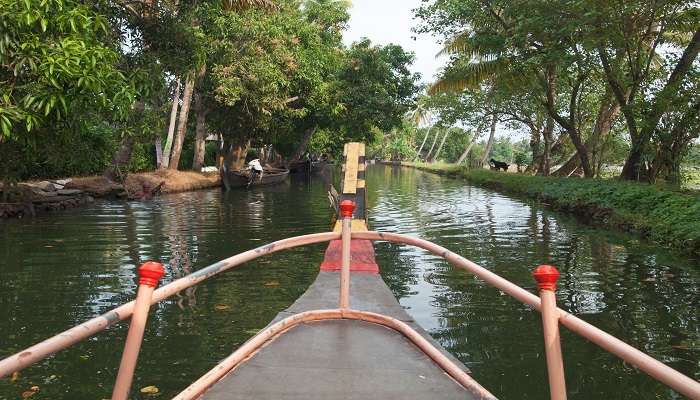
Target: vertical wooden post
(149,275)
(546,277)
(346,209)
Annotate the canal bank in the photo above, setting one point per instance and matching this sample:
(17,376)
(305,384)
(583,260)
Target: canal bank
(665,217)
(37,197)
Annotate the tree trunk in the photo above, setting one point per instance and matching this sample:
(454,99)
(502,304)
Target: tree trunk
(235,153)
(171,127)
(573,162)
(607,114)
(301,149)
(632,169)
(667,161)
(119,169)
(423,144)
(427,156)
(489,144)
(182,124)
(546,166)
(200,134)
(444,138)
(582,151)
(468,149)
(200,140)
(159,152)
(537,156)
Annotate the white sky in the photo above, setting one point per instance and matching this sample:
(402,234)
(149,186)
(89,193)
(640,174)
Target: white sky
(390,21)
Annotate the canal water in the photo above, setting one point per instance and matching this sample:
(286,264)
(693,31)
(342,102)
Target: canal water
(60,269)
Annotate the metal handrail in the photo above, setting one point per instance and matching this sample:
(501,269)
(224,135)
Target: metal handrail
(63,340)
(656,369)
(651,366)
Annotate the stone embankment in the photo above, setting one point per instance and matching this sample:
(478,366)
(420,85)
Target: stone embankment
(29,198)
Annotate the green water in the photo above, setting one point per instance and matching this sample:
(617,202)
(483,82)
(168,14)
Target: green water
(60,269)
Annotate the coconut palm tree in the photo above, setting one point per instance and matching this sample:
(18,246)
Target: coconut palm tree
(421,115)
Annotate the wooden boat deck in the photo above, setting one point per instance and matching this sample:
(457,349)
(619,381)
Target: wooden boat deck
(341,359)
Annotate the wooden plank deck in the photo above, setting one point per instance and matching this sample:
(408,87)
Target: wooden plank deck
(341,359)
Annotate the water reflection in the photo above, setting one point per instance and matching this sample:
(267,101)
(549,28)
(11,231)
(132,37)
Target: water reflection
(639,292)
(61,269)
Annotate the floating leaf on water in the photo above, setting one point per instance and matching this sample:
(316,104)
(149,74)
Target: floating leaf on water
(649,280)
(252,331)
(150,390)
(680,346)
(30,392)
(85,356)
(221,307)
(272,283)
(14,377)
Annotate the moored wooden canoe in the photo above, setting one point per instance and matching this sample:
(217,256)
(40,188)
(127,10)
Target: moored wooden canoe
(239,178)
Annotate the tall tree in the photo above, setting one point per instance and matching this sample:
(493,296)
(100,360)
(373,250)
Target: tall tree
(167,149)
(489,142)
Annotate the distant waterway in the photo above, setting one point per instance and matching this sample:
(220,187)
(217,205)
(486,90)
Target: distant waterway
(60,269)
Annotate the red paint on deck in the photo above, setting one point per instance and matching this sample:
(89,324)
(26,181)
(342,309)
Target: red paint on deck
(361,257)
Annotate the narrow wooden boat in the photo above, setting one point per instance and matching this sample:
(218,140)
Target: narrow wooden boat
(240,178)
(346,337)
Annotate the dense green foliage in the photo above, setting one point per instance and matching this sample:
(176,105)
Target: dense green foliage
(585,79)
(89,87)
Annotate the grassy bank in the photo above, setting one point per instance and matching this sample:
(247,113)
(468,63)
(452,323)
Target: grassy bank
(666,217)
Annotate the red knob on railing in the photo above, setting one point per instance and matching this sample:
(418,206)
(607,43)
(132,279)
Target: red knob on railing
(546,277)
(150,273)
(346,208)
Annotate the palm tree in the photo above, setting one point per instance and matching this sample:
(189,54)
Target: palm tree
(442,143)
(420,115)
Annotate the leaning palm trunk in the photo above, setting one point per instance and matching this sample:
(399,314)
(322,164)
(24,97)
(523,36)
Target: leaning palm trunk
(423,144)
(444,138)
(200,129)
(489,144)
(437,135)
(182,124)
(171,127)
(468,149)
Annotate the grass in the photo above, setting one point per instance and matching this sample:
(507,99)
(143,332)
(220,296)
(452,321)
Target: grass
(667,217)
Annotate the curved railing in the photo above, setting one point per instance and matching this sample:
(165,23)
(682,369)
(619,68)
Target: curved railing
(651,366)
(63,340)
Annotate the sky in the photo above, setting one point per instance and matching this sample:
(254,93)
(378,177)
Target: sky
(390,21)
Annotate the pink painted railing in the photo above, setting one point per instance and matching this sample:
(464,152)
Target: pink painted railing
(552,317)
